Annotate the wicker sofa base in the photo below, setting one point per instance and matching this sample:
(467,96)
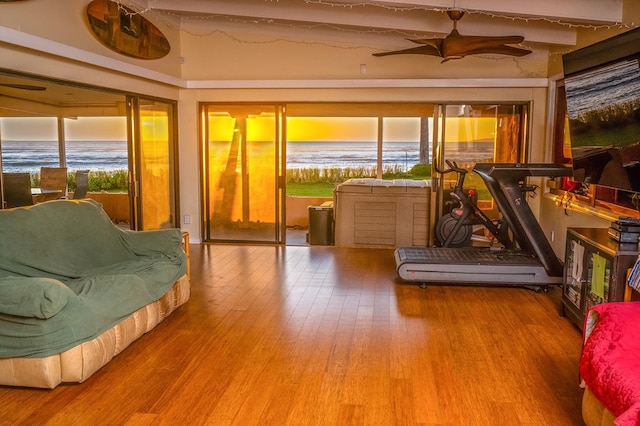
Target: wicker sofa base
(80,362)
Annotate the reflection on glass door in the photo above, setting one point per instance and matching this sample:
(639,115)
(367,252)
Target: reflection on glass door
(241,163)
(154,187)
(472,134)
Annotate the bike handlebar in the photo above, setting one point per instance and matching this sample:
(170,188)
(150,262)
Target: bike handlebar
(453,167)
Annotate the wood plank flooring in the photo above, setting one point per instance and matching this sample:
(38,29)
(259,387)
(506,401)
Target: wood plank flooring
(328,336)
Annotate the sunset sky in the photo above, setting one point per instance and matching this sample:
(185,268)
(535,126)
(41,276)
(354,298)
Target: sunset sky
(360,129)
(324,129)
(83,128)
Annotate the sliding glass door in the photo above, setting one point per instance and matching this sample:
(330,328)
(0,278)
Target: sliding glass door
(257,162)
(242,168)
(470,134)
(152,163)
(127,142)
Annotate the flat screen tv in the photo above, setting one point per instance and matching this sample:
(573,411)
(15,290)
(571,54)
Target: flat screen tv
(602,85)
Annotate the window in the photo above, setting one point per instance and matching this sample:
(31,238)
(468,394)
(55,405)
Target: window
(251,151)
(29,143)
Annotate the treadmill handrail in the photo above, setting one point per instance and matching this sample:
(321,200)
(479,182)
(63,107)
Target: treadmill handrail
(525,169)
(503,181)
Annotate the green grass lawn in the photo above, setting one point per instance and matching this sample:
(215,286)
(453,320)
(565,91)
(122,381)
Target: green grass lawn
(308,189)
(325,189)
(316,182)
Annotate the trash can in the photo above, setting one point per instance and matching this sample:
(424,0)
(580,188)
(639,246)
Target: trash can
(321,224)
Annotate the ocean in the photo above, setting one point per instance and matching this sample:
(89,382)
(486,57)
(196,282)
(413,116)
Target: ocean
(355,154)
(29,156)
(615,84)
(350,154)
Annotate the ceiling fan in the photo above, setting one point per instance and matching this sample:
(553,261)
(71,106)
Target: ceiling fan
(457,46)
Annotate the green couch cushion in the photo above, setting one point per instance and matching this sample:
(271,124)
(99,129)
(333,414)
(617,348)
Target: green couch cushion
(32,297)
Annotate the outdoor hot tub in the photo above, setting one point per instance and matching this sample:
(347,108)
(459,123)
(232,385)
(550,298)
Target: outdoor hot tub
(382,213)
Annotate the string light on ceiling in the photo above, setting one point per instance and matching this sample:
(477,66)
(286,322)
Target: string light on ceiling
(155,15)
(617,25)
(169,19)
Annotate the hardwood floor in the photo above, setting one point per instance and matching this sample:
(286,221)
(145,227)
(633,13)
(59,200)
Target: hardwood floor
(327,336)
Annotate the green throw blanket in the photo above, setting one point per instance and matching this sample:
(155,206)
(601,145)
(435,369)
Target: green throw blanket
(67,274)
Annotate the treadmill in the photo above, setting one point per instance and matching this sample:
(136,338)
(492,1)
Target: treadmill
(533,265)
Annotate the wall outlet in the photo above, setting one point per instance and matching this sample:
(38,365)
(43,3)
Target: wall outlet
(187,219)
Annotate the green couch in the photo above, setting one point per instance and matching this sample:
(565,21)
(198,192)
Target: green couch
(75,289)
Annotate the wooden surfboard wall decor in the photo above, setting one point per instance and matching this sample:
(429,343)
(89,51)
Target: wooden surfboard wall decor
(125,31)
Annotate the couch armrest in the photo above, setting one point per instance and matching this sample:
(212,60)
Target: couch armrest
(144,243)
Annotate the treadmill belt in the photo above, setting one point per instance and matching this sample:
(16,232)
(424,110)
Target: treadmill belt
(468,265)
(467,256)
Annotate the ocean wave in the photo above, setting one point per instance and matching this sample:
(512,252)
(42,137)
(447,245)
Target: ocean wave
(18,156)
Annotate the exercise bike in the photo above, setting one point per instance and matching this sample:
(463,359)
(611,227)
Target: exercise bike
(456,228)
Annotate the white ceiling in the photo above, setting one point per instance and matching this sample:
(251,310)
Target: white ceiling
(385,24)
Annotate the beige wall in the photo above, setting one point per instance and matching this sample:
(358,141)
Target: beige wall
(221,57)
(65,22)
(554,220)
(587,36)
(298,209)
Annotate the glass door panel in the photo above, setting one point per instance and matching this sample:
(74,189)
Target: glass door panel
(406,142)
(29,143)
(153,166)
(241,171)
(473,134)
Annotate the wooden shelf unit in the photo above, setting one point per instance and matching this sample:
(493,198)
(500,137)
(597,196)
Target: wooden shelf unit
(595,271)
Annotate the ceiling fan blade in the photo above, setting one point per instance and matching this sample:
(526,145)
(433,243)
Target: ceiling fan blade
(502,50)
(435,42)
(420,50)
(456,46)
(454,36)
(23,86)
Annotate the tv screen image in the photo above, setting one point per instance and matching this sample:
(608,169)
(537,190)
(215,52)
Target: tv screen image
(603,104)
